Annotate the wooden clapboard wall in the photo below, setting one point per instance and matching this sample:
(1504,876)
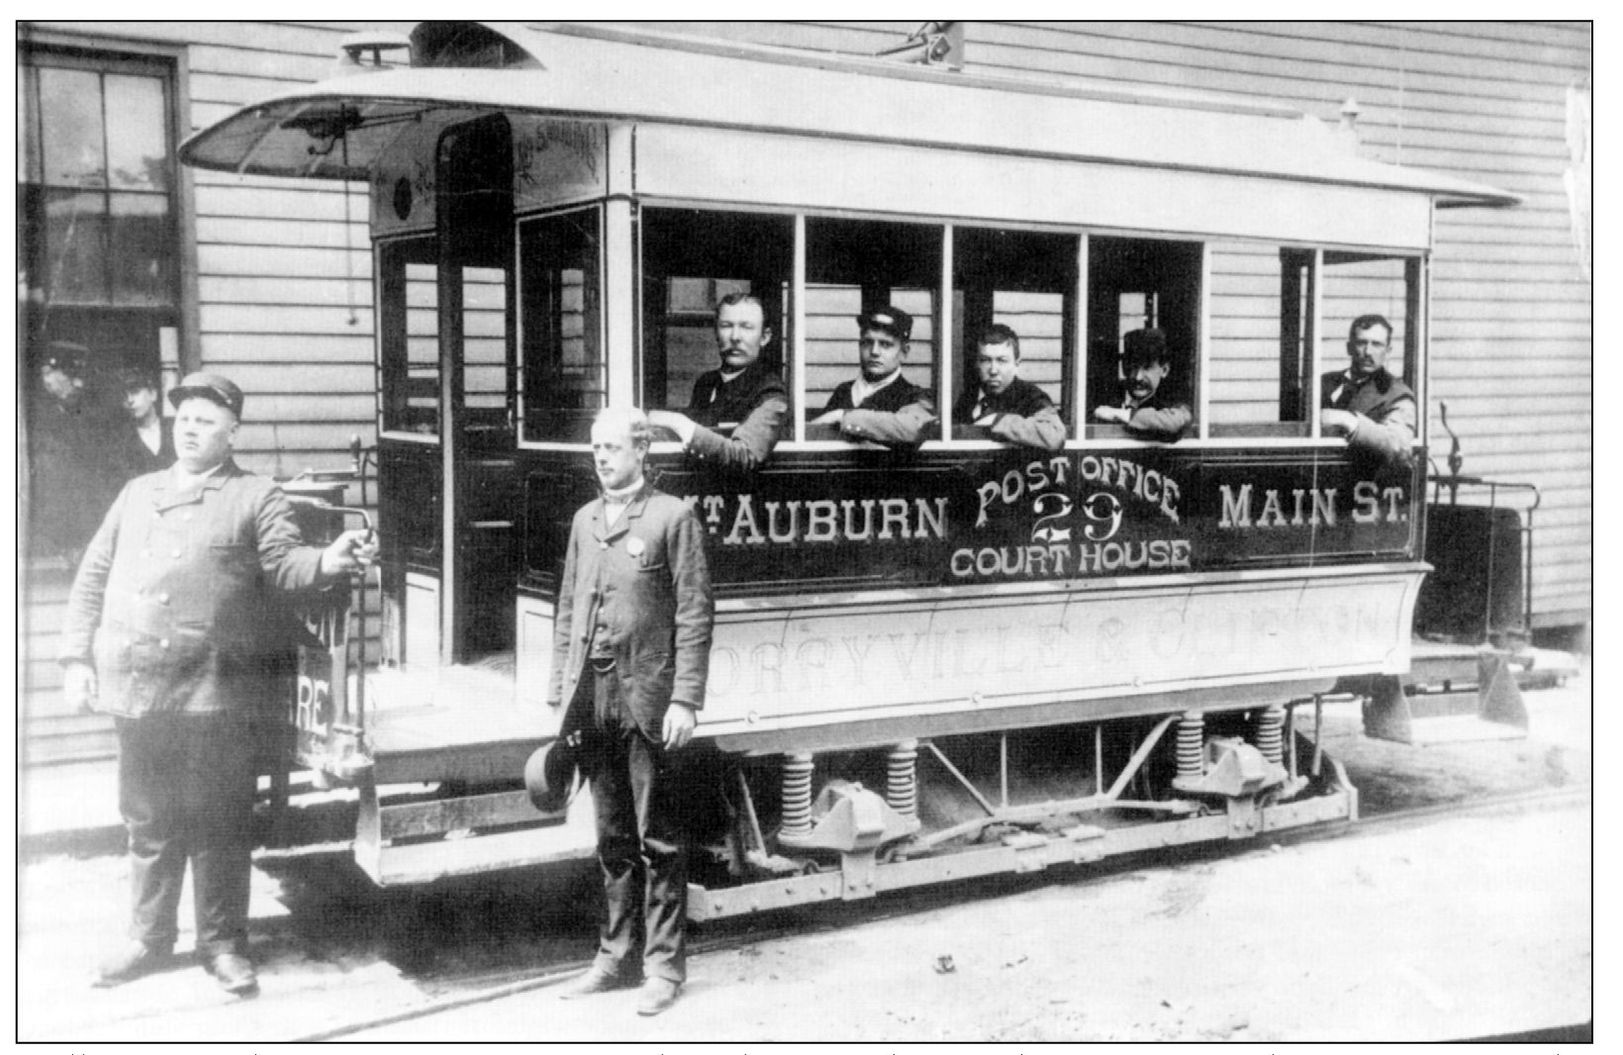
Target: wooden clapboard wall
(284,297)
(1511,324)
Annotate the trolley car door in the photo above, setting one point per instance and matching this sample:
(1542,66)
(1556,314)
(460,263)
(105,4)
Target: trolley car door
(474,164)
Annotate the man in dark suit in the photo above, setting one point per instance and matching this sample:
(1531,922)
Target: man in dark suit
(881,405)
(737,411)
(1148,408)
(633,637)
(1001,405)
(171,629)
(72,480)
(1374,410)
(146,443)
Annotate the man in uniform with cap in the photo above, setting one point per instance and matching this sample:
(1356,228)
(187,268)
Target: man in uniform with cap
(632,639)
(1374,410)
(171,629)
(881,405)
(71,482)
(744,397)
(1148,408)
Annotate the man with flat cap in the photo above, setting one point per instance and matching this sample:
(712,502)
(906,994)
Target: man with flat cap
(880,405)
(172,629)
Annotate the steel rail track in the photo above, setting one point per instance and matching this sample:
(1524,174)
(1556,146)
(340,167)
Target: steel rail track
(511,983)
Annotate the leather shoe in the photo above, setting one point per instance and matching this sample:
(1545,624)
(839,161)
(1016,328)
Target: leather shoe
(597,981)
(657,995)
(131,962)
(235,973)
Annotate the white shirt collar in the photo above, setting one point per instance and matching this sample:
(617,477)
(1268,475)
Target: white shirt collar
(862,389)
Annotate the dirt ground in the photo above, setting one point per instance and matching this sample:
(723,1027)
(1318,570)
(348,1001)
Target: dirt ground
(1452,926)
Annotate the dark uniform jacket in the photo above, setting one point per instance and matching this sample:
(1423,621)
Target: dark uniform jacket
(1385,405)
(642,589)
(754,405)
(900,414)
(174,602)
(72,479)
(1025,415)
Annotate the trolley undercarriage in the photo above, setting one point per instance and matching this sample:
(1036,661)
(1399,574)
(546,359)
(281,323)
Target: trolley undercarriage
(779,829)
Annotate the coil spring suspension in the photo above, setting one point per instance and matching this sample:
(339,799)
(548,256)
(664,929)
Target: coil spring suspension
(797,795)
(1191,738)
(901,778)
(1271,734)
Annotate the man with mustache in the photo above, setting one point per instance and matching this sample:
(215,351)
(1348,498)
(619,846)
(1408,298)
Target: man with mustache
(881,406)
(1148,408)
(1374,410)
(737,411)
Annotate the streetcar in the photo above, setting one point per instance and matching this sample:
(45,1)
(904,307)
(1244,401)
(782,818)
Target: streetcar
(930,663)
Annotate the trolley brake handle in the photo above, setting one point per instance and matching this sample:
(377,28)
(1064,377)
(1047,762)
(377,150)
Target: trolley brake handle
(359,586)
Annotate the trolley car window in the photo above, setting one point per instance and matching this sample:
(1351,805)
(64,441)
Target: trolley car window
(1260,304)
(690,260)
(564,373)
(854,266)
(409,343)
(1025,280)
(1134,284)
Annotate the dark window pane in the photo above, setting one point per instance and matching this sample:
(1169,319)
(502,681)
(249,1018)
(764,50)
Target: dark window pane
(137,145)
(142,249)
(565,378)
(76,248)
(28,159)
(409,330)
(70,111)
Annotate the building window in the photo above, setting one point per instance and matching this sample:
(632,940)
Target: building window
(96,183)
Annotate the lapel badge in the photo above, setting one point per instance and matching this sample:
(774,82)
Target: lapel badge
(635,546)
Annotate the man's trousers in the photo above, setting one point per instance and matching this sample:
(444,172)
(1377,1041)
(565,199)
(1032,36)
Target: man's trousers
(186,790)
(641,843)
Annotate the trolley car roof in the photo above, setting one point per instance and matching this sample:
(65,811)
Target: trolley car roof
(338,128)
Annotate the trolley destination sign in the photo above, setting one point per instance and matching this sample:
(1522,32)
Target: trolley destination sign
(950,518)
